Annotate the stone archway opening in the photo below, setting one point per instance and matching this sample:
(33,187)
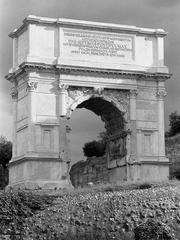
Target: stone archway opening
(113,118)
(85,126)
(115,137)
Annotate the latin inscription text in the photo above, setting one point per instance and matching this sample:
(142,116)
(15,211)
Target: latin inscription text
(93,43)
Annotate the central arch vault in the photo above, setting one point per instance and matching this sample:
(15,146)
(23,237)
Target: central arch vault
(115,117)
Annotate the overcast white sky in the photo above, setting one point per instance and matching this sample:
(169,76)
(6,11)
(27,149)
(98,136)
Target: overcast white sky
(144,13)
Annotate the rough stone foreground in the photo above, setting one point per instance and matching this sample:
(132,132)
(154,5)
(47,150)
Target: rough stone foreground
(84,214)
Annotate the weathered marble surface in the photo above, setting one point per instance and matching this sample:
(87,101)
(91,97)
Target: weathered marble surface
(116,71)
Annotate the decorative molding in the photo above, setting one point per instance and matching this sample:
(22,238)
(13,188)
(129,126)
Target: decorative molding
(114,73)
(63,69)
(63,22)
(42,158)
(22,128)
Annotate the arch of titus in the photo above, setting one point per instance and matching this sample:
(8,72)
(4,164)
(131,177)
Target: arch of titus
(116,71)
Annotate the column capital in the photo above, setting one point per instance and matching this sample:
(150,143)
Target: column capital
(14,93)
(62,86)
(31,86)
(133,93)
(161,94)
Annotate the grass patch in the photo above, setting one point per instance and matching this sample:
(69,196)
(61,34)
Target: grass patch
(116,187)
(98,212)
(15,207)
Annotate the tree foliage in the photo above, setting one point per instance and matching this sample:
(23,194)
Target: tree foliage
(153,230)
(94,148)
(174,123)
(5,151)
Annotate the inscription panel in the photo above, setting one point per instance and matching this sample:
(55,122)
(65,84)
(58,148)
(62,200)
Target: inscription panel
(97,45)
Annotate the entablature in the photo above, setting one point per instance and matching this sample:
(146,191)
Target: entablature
(85,71)
(88,45)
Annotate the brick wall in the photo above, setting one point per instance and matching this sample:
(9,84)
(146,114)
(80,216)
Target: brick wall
(94,170)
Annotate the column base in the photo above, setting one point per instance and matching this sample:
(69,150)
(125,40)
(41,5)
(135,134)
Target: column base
(38,173)
(150,171)
(144,171)
(38,185)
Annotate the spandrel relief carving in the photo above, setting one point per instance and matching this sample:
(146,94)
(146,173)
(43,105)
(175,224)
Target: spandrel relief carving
(77,92)
(118,96)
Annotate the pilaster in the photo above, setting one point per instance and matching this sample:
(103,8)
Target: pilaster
(132,137)
(161,138)
(62,92)
(133,95)
(31,88)
(14,94)
(64,154)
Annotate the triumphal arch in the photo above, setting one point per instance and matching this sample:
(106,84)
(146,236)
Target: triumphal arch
(116,71)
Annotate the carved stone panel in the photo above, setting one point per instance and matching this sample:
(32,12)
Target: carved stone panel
(117,148)
(120,97)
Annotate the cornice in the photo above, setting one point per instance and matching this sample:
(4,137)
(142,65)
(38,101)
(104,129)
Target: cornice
(109,27)
(16,32)
(64,69)
(24,68)
(77,70)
